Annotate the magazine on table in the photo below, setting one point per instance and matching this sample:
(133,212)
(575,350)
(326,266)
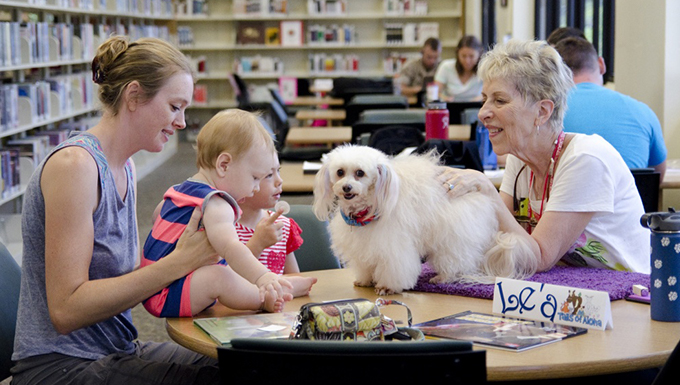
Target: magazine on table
(497,331)
(260,325)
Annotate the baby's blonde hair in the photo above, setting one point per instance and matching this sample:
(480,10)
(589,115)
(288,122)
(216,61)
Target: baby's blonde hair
(234,131)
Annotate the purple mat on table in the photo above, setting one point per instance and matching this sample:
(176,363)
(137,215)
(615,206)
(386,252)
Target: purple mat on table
(617,283)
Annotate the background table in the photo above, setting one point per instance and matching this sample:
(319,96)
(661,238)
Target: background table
(316,101)
(325,135)
(329,115)
(635,343)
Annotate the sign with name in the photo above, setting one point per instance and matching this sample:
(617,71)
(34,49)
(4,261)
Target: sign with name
(558,304)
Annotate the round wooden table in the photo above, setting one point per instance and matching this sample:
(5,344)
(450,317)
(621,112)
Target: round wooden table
(636,342)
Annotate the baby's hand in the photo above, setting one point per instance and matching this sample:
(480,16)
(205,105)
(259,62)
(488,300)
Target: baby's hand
(267,232)
(270,282)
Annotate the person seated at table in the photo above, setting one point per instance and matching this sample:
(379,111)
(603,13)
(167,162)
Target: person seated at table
(457,78)
(579,200)
(629,125)
(80,244)
(235,152)
(414,75)
(270,235)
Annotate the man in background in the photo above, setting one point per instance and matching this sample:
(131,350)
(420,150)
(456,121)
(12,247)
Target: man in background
(563,33)
(629,125)
(416,73)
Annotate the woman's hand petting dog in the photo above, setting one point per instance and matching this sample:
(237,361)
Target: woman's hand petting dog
(457,182)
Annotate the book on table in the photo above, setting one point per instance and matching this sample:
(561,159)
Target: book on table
(260,325)
(497,331)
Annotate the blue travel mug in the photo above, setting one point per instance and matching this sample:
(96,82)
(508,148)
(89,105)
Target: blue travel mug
(665,263)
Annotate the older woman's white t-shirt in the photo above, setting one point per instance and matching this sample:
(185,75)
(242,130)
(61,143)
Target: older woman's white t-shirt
(591,176)
(447,75)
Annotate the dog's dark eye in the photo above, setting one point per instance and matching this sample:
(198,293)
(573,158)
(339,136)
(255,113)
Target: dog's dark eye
(341,173)
(360,173)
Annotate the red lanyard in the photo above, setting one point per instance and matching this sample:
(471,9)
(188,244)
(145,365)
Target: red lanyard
(556,154)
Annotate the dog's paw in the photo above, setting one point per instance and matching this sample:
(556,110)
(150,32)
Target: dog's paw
(385,291)
(439,279)
(363,283)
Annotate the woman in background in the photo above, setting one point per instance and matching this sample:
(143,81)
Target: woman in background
(457,78)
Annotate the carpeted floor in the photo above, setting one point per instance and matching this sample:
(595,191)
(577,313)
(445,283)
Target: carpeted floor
(149,193)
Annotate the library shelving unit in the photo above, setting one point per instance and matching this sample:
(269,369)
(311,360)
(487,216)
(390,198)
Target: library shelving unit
(212,38)
(46,47)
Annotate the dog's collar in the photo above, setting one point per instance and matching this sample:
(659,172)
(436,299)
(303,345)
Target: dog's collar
(358,219)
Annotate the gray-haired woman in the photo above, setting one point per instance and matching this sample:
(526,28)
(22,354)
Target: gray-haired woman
(570,195)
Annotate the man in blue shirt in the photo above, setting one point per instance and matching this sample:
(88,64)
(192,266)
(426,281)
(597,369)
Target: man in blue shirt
(629,125)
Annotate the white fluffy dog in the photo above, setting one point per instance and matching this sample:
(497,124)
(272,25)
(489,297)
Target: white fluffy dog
(386,214)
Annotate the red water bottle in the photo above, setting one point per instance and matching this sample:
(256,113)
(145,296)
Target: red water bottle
(436,121)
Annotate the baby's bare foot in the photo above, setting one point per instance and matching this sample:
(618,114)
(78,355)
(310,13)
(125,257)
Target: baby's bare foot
(272,303)
(301,285)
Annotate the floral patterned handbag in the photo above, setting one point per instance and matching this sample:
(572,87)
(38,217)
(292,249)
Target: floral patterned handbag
(353,319)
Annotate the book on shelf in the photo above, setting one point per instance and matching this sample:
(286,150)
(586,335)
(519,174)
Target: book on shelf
(292,34)
(288,88)
(9,171)
(497,331)
(272,36)
(260,325)
(200,94)
(34,147)
(250,32)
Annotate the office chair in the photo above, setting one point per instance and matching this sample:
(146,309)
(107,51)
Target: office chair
(457,153)
(456,110)
(290,111)
(392,115)
(279,116)
(347,87)
(315,253)
(362,131)
(361,103)
(10,282)
(267,361)
(670,371)
(395,138)
(647,182)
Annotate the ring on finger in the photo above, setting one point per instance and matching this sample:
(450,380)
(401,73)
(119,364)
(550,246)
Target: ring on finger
(450,186)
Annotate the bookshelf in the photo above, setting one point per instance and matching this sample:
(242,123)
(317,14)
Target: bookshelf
(213,38)
(46,47)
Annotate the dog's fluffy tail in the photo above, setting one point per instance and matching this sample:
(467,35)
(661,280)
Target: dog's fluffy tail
(510,257)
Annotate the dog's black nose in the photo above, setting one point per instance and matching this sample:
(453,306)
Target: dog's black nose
(347,188)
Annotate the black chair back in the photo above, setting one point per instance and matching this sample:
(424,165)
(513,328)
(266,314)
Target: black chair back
(315,252)
(10,282)
(360,128)
(647,181)
(457,108)
(361,103)
(348,87)
(394,139)
(266,361)
(670,371)
(458,153)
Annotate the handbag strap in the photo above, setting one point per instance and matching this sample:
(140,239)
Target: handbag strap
(384,302)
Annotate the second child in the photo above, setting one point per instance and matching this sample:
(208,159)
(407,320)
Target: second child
(270,235)
(234,154)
